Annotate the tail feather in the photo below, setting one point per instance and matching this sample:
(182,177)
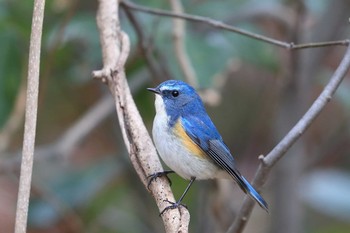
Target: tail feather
(249,189)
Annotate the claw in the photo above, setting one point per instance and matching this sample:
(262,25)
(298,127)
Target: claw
(173,205)
(158,174)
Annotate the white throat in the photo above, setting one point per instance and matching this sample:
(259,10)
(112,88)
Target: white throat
(159,105)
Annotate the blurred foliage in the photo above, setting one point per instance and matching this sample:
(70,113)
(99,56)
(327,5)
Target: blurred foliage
(95,185)
(14,43)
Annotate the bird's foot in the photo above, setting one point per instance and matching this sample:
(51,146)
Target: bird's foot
(154,176)
(173,205)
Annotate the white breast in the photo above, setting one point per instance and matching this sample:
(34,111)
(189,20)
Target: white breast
(174,154)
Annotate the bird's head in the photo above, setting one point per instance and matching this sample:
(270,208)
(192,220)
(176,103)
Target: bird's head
(177,98)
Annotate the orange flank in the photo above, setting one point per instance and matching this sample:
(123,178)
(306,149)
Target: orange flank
(187,141)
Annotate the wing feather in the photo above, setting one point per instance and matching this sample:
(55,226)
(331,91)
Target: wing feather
(203,132)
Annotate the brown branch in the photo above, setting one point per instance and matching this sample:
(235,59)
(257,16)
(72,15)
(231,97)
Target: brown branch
(30,117)
(292,136)
(221,25)
(115,48)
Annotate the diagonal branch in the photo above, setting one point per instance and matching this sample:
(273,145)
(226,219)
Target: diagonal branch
(292,136)
(115,48)
(30,117)
(221,25)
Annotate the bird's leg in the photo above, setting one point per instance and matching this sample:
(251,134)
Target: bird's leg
(178,203)
(154,176)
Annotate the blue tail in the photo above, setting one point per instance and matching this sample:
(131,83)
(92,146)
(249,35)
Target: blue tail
(248,188)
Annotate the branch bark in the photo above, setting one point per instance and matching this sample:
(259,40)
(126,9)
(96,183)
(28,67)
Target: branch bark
(115,49)
(30,117)
(292,136)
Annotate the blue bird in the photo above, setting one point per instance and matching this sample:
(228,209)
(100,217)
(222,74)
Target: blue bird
(188,141)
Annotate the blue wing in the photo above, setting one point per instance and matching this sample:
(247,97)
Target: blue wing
(203,132)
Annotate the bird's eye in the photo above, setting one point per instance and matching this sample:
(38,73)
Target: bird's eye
(175,93)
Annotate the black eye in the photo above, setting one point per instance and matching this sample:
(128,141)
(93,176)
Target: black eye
(175,93)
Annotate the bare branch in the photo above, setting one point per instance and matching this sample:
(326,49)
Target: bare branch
(30,117)
(311,114)
(115,49)
(221,25)
(319,44)
(292,136)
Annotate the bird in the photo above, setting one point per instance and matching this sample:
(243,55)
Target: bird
(188,141)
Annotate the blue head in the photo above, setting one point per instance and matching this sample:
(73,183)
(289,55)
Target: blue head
(178,99)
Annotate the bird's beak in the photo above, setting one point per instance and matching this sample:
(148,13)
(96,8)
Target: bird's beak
(155,90)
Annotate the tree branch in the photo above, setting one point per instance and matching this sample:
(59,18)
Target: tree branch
(292,136)
(30,117)
(115,49)
(221,25)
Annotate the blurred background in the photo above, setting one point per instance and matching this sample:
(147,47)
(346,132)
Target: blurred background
(83,180)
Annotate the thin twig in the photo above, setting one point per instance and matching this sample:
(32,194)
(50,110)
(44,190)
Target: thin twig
(292,136)
(315,109)
(221,25)
(30,117)
(319,44)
